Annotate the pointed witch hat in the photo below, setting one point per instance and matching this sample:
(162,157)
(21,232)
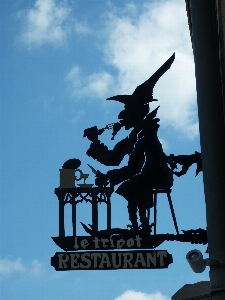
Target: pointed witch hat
(143,93)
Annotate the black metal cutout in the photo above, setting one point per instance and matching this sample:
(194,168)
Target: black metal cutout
(149,172)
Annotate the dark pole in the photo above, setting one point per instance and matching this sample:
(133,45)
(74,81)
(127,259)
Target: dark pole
(211,107)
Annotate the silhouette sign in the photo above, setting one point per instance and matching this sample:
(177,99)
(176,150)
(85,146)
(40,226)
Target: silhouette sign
(148,174)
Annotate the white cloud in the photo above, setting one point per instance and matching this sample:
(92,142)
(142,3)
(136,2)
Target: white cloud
(95,85)
(8,267)
(49,22)
(81,28)
(99,83)
(73,77)
(45,23)
(133,295)
(138,40)
(36,269)
(131,7)
(138,46)
(164,143)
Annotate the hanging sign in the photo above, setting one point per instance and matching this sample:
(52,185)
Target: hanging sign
(111,260)
(148,175)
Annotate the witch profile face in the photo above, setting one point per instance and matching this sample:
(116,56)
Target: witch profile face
(126,119)
(132,115)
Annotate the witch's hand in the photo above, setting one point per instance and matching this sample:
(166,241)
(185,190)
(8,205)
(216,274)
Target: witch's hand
(101,179)
(92,134)
(97,151)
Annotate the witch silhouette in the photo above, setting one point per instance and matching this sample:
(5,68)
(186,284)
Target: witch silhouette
(147,167)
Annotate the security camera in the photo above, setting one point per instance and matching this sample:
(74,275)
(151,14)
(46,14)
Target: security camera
(196,261)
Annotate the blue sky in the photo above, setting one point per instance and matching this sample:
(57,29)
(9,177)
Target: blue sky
(60,60)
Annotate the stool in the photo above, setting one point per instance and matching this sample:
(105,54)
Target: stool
(167,192)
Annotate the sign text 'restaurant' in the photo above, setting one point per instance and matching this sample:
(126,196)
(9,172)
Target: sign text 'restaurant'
(63,261)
